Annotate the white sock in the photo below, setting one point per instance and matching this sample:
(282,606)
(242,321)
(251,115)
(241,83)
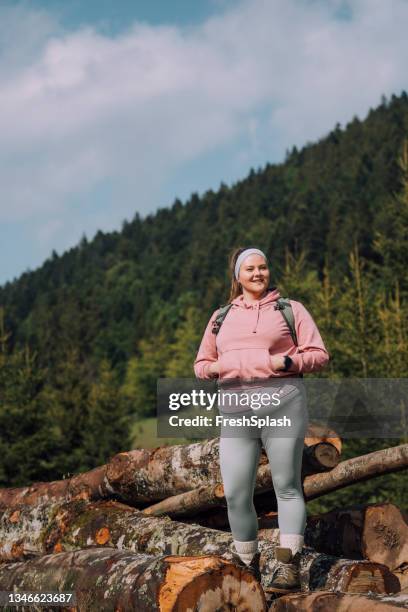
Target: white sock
(293,541)
(246,550)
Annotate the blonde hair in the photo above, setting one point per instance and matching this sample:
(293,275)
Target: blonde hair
(236,288)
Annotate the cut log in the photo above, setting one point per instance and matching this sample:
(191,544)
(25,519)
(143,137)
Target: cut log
(318,433)
(78,524)
(351,471)
(385,535)
(378,532)
(357,469)
(402,575)
(321,571)
(135,476)
(152,475)
(89,485)
(197,500)
(108,579)
(319,458)
(217,516)
(144,476)
(341,602)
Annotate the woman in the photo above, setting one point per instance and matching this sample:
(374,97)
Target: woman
(255,342)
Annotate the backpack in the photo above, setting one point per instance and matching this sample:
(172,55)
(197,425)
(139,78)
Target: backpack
(282,304)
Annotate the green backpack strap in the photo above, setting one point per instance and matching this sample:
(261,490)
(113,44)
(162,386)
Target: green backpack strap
(222,313)
(285,307)
(282,304)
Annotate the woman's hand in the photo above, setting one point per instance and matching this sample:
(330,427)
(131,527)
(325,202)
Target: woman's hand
(214,369)
(277,362)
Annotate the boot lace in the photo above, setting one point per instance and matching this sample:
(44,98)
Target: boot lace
(286,571)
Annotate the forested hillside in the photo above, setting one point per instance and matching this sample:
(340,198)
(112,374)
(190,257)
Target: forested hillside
(84,338)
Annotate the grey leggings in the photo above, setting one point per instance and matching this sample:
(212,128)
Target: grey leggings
(239,457)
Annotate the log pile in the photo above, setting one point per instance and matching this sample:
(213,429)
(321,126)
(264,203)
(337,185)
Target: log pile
(109,579)
(74,525)
(341,602)
(149,531)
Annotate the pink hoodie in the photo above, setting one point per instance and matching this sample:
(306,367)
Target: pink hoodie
(251,333)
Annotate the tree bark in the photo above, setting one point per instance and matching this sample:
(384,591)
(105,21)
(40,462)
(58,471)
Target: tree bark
(144,476)
(378,532)
(106,579)
(323,571)
(357,469)
(341,602)
(89,485)
(197,500)
(79,524)
(346,473)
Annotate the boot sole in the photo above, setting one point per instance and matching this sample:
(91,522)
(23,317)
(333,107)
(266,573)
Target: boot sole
(281,590)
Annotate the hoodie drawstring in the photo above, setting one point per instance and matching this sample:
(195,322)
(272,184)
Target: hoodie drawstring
(257,317)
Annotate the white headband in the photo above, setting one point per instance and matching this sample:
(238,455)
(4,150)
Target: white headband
(243,256)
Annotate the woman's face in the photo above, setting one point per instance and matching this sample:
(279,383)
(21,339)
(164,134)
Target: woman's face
(254,274)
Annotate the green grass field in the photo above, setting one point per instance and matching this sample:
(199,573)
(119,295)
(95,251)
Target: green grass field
(144,435)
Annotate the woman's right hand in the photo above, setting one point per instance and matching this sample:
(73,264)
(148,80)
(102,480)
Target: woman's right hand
(214,369)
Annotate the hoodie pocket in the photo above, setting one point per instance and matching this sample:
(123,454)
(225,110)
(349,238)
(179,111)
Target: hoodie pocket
(257,363)
(229,363)
(245,363)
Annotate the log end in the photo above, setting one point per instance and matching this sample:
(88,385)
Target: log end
(321,457)
(385,535)
(221,584)
(327,600)
(362,577)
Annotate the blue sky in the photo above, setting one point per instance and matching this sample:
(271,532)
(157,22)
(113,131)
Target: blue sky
(113,107)
(114,16)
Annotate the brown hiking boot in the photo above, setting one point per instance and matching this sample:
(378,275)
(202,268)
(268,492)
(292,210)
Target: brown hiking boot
(253,567)
(286,576)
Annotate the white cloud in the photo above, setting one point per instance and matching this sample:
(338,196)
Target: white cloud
(78,109)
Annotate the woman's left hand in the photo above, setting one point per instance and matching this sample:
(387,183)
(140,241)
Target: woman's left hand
(277,362)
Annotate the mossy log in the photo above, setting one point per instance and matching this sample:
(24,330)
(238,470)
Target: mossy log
(344,474)
(357,469)
(145,476)
(326,601)
(378,532)
(79,524)
(90,485)
(106,579)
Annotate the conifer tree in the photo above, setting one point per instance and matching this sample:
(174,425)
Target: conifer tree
(140,386)
(184,348)
(27,440)
(391,237)
(107,428)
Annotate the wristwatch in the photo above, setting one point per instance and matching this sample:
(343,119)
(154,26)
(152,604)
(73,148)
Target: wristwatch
(288,363)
